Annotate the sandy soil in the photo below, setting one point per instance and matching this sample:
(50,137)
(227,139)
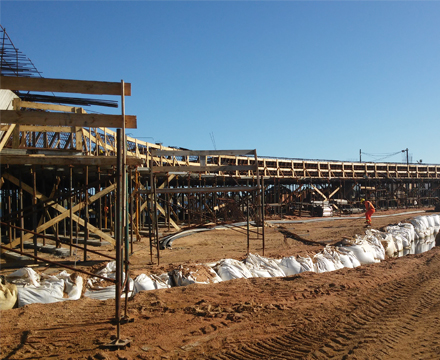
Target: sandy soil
(388,310)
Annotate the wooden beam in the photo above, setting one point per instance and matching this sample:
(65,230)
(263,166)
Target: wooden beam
(64,85)
(6,136)
(63,160)
(208,189)
(33,105)
(209,168)
(55,129)
(319,192)
(66,119)
(162,211)
(334,192)
(158,152)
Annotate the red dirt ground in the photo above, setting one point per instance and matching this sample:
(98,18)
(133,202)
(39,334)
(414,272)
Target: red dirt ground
(389,310)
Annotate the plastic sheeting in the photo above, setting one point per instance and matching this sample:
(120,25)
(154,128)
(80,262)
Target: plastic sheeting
(46,289)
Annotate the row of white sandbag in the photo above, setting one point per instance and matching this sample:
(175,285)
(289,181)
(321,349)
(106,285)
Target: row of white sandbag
(367,249)
(425,226)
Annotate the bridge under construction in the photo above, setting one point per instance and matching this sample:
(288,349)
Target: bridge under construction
(68,175)
(61,171)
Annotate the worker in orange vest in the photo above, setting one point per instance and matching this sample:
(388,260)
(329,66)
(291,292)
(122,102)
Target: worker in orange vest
(370,210)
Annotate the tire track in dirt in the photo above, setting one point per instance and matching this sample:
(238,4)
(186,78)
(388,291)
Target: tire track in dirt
(400,314)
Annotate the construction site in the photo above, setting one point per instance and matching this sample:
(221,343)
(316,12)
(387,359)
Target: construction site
(78,193)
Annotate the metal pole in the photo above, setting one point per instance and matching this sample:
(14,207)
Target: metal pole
(86,209)
(21,216)
(247,215)
(34,211)
(71,208)
(118,230)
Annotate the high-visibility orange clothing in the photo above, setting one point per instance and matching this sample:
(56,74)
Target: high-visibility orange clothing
(370,211)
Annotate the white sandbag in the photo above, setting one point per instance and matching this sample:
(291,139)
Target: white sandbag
(162,281)
(362,250)
(424,244)
(8,296)
(387,242)
(50,291)
(24,276)
(434,220)
(306,263)
(421,227)
(256,272)
(347,257)
(109,292)
(408,231)
(334,256)
(398,241)
(214,276)
(179,279)
(290,266)
(262,266)
(229,269)
(73,284)
(143,283)
(376,245)
(322,263)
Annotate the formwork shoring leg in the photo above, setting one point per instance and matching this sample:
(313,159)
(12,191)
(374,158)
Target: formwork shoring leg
(118,233)
(131,211)
(9,203)
(34,210)
(71,209)
(262,192)
(21,213)
(86,210)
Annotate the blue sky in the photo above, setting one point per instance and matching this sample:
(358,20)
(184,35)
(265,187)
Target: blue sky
(313,80)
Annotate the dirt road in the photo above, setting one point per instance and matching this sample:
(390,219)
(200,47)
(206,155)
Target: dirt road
(389,310)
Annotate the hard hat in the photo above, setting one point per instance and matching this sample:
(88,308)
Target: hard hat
(362,200)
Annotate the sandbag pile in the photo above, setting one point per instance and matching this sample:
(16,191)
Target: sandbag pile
(34,288)
(372,247)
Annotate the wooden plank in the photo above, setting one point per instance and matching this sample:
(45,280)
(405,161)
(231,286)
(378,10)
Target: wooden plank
(66,119)
(58,160)
(158,152)
(6,136)
(334,192)
(55,129)
(209,168)
(160,208)
(33,105)
(201,190)
(319,192)
(64,85)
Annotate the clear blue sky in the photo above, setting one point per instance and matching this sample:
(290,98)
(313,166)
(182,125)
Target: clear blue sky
(314,80)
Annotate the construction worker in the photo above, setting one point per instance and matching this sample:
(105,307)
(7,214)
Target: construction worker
(370,210)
